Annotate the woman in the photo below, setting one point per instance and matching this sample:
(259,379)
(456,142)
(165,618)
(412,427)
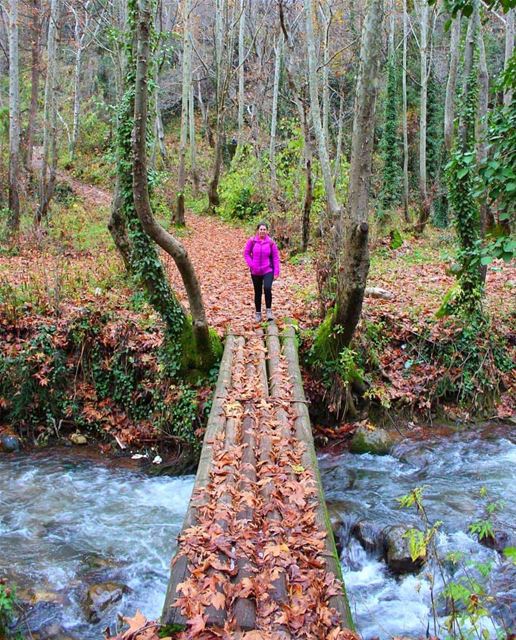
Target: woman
(262,257)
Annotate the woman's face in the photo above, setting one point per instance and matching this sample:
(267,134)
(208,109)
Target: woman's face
(262,231)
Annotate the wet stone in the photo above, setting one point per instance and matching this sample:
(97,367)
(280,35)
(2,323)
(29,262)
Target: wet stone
(376,441)
(9,443)
(100,597)
(397,553)
(370,536)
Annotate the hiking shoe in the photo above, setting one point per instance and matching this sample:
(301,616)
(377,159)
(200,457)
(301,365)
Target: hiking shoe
(258,316)
(269,314)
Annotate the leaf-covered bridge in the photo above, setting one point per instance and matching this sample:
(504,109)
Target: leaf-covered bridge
(256,557)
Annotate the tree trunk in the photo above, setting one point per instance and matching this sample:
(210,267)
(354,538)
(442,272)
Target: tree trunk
(449,104)
(141,194)
(77,90)
(353,264)
(49,159)
(14,120)
(193,153)
(338,152)
(322,143)
(326,20)
(179,217)
(509,48)
(274,115)
(309,186)
(486,218)
(35,30)
(404,116)
(424,212)
(241,76)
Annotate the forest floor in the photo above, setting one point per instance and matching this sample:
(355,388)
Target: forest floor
(73,266)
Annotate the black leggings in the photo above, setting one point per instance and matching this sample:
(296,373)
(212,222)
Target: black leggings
(259,283)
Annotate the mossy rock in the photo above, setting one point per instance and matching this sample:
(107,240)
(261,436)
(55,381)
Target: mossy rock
(376,441)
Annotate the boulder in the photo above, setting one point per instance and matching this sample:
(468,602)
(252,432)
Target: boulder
(498,541)
(9,443)
(100,597)
(397,553)
(371,440)
(370,536)
(78,438)
(337,525)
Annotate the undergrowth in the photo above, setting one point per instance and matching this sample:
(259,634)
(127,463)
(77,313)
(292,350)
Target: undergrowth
(100,372)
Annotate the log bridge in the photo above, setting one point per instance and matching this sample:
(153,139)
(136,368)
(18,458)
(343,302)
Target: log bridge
(256,556)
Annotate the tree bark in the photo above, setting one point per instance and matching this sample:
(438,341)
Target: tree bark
(274,114)
(241,75)
(141,194)
(179,217)
(509,48)
(404,116)
(353,263)
(315,109)
(193,152)
(423,194)
(486,219)
(49,159)
(14,119)
(35,30)
(449,104)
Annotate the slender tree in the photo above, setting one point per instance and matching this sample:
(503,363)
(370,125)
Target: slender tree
(315,109)
(14,118)
(449,105)
(179,217)
(49,157)
(35,48)
(405,114)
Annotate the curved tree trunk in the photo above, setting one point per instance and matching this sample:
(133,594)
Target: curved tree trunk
(141,194)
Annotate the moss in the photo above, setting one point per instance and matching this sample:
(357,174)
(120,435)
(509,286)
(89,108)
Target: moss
(322,348)
(396,239)
(193,364)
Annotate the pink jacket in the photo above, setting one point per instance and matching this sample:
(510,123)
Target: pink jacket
(262,256)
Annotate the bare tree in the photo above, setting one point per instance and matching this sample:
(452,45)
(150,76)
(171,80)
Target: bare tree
(179,217)
(35,40)
(449,105)
(322,143)
(14,118)
(405,115)
(509,49)
(49,157)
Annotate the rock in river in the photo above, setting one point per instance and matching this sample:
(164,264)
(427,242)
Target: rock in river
(100,597)
(376,440)
(397,552)
(9,443)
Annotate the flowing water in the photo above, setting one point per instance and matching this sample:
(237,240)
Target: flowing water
(452,470)
(65,524)
(68,523)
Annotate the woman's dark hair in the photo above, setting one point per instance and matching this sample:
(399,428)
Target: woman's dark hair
(262,224)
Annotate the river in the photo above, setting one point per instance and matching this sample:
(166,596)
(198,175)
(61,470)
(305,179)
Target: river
(68,523)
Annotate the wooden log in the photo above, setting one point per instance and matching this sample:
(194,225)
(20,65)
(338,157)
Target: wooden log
(273,358)
(217,617)
(262,366)
(304,434)
(245,608)
(215,425)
